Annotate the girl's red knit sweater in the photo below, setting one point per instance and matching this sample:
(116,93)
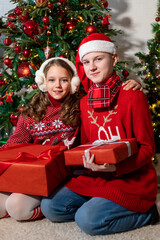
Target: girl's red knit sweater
(134,185)
(49,131)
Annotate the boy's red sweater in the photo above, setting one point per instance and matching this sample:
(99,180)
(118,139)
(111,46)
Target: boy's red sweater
(134,185)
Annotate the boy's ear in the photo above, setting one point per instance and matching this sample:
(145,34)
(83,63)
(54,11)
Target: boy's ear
(115,59)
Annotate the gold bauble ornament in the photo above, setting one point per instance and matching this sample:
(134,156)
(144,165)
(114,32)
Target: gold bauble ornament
(41,3)
(154,107)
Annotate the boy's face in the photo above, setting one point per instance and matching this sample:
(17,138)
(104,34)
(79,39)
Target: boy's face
(98,66)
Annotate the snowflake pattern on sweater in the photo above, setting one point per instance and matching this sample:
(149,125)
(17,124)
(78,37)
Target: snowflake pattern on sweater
(49,131)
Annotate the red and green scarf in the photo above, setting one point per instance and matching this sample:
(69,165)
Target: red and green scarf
(101,96)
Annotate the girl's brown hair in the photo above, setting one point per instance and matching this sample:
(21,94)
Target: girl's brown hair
(69,113)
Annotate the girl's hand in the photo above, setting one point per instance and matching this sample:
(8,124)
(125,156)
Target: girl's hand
(132,84)
(89,163)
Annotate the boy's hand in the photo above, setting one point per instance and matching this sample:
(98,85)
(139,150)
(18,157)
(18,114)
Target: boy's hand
(89,163)
(132,84)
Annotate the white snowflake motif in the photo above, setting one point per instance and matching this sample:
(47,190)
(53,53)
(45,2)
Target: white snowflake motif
(39,126)
(57,123)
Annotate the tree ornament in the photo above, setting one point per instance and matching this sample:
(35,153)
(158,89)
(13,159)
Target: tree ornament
(47,52)
(105,3)
(125,73)
(34,86)
(25,17)
(12,17)
(26,53)
(2,82)
(41,3)
(156,108)
(8,97)
(71,24)
(149,74)
(7,61)
(105,22)
(50,6)
(157,19)
(91,29)
(30,28)
(46,20)
(62,56)
(18,11)
(17,49)
(20,109)
(14,118)
(7,41)
(23,70)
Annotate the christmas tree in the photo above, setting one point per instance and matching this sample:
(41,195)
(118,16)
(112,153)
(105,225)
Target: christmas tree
(37,30)
(150,74)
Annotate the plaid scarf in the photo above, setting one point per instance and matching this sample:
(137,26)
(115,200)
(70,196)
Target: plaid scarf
(101,96)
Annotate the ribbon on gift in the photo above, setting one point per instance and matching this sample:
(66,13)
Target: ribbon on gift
(98,143)
(26,157)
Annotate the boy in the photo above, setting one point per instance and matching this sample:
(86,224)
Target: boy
(109,198)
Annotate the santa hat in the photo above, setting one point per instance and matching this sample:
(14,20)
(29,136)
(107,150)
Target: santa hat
(41,80)
(95,42)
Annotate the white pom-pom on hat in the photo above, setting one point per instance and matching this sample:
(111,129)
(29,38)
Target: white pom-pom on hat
(41,80)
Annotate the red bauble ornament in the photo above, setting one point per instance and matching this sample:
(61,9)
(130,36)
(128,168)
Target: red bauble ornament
(125,73)
(25,17)
(18,11)
(26,53)
(41,3)
(7,61)
(23,70)
(2,82)
(17,49)
(62,56)
(46,20)
(12,17)
(34,86)
(157,19)
(7,41)
(91,29)
(105,3)
(14,119)
(30,28)
(50,6)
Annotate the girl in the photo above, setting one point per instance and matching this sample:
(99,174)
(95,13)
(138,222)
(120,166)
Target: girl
(50,118)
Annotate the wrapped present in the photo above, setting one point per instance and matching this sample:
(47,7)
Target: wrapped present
(32,168)
(104,151)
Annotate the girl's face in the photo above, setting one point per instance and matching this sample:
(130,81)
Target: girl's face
(98,66)
(58,82)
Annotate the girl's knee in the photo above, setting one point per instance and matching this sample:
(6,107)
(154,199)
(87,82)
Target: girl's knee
(14,208)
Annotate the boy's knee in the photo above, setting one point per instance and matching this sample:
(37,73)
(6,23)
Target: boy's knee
(85,220)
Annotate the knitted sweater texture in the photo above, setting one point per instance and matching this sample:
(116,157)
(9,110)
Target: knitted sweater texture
(134,184)
(49,131)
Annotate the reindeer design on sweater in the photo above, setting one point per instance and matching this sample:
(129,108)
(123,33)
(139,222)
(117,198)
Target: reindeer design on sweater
(108,118)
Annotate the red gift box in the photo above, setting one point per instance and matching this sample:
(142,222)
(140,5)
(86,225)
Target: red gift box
(32,168)
(104,151)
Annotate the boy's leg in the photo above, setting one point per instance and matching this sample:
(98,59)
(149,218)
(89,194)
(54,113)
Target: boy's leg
(62,205)
(100,216)
(23,207)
